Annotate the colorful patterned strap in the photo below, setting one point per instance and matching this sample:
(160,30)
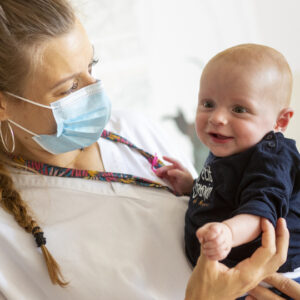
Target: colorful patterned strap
(50,170)
(117,138)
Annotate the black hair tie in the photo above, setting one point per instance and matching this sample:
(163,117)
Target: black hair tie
(39,236)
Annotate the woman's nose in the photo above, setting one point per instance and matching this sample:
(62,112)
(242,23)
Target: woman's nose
(218,117)
(88,79)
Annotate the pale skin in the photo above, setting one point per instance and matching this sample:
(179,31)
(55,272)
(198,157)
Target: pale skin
(66,66)
(236,108)
(284,284)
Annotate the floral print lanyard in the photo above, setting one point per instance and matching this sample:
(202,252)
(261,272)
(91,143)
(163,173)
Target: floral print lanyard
(49,170)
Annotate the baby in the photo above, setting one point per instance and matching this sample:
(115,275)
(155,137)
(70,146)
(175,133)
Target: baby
(252,170)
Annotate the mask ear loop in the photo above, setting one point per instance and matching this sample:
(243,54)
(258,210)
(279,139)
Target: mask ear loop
(29,101)
(12,138)
(16,124)
(27,130)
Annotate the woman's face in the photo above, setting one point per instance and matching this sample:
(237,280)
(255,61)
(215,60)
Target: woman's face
(65,66)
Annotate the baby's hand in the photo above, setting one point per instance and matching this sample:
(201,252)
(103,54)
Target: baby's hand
(178,176)
(216,240)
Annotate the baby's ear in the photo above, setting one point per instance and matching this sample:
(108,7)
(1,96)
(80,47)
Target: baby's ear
(283,119)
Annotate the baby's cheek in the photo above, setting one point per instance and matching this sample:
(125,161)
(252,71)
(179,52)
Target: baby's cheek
(200,125)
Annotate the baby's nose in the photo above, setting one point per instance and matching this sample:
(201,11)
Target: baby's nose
(218,117)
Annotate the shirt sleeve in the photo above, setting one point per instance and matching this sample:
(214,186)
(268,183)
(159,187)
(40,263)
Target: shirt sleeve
(267,184)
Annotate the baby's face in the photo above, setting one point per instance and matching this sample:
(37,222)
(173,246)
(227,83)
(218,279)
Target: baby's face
(235,107)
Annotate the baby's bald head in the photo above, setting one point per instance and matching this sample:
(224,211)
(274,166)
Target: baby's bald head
(265,61)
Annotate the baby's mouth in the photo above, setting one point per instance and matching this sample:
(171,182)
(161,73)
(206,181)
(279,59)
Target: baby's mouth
(220,137)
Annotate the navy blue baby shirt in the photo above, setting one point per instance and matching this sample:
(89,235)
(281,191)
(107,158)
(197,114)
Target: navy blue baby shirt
(264,180)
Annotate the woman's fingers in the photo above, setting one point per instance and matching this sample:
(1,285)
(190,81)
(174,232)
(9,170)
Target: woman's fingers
(285,285)
(205,262)
(273,250)
(268,236)
(267,250)
(272,255)
(262,293)
(282,240)
(273,246)
(266,259)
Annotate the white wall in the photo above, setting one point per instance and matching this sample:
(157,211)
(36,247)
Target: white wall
(152,51)
(279,26)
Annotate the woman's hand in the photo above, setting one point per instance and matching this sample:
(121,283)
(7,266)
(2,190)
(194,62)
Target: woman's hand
(212,280)
(283,284)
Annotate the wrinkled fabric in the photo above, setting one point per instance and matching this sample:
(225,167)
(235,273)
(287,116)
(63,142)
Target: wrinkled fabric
(112,240)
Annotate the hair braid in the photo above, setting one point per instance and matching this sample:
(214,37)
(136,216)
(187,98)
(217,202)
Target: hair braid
(24,27)
(12,202)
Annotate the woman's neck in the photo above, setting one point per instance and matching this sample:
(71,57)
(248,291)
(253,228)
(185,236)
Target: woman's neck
(88,158)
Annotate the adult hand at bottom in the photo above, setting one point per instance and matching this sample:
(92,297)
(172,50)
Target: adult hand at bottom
(286,285)
(212,280)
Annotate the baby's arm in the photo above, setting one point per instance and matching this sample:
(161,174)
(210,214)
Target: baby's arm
(217,239)
(178,176)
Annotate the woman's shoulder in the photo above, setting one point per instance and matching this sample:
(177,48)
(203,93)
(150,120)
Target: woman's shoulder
(129,122)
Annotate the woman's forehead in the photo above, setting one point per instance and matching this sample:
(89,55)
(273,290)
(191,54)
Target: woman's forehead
(63,56)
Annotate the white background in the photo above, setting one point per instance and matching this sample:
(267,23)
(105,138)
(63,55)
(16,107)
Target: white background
(151,52)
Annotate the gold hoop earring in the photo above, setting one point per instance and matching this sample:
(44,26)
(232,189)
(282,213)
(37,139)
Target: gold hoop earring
(4,141)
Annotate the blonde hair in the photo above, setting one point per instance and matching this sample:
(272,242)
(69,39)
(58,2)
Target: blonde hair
(261,56)
(24,26)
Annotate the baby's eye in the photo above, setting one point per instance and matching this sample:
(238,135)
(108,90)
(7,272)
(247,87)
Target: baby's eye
(239,109)
(208,104)
(72,89)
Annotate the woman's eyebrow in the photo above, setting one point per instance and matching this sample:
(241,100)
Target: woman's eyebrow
(64,80)
(73,75)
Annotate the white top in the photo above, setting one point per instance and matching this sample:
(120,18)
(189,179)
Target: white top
(113,241)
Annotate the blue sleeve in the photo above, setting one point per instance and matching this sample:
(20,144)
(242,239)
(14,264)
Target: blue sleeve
(267,184)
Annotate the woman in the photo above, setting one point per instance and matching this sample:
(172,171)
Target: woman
(113,237)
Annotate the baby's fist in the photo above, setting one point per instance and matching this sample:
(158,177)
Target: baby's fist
(216,240)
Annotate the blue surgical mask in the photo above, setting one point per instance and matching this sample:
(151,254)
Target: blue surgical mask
(80,118)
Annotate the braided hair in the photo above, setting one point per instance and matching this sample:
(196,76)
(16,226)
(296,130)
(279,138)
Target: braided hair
(24,26)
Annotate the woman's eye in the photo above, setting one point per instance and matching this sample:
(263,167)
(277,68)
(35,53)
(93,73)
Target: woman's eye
(239,109)
(72,89)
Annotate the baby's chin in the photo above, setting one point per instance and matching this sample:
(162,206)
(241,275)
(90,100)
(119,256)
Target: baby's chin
(223,152)
(227,152)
